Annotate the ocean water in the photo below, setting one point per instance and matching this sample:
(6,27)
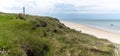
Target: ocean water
(109,25)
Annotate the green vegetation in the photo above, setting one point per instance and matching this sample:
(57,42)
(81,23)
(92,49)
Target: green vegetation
(46,36)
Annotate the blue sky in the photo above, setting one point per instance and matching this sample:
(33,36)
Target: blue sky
(65,9)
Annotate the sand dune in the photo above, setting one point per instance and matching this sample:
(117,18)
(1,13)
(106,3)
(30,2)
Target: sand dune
(99,33)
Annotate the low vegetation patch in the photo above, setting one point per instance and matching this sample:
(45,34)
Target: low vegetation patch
(27,35)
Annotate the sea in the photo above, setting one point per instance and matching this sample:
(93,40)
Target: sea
(108,25)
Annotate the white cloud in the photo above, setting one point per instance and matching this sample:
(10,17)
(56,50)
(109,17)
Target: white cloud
(45,6)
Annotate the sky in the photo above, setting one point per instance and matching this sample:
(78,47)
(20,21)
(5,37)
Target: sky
(65,9)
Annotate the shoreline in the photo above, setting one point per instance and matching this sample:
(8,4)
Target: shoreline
(109,30)
(99,33)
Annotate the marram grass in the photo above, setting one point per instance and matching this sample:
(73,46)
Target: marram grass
(46,36)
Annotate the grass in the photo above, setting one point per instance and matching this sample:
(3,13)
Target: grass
(18,38)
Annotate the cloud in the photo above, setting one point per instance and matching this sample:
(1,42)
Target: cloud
(61,6)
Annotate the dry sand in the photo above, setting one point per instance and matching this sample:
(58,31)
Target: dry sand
(99,33)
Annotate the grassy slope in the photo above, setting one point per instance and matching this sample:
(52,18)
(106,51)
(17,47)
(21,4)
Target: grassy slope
(18,39)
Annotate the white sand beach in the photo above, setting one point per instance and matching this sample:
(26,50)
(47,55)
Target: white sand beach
(99,33)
